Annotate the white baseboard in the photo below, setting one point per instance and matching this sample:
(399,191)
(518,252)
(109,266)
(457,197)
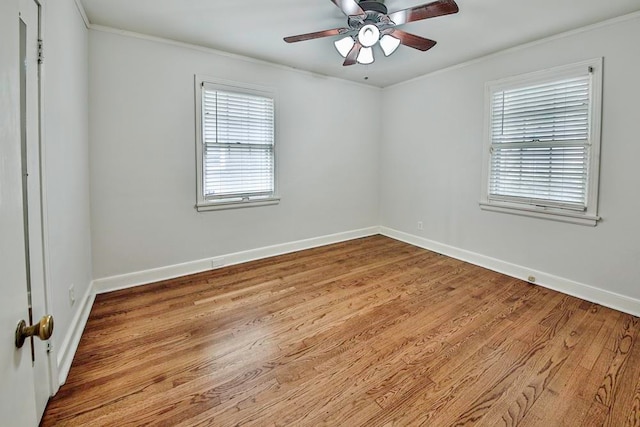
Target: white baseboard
(69,345)
(137,278)
(560,284)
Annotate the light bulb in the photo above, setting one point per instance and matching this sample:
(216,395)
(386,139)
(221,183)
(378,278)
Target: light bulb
(389,44)
(368,35)
(365,56)
(344,46)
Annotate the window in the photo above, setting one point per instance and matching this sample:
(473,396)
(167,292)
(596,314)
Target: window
(542,144)
(235,145)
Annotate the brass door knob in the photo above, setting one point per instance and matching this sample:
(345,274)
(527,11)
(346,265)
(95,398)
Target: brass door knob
(43,329)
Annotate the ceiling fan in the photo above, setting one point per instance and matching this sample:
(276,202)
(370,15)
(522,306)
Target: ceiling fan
(369,23)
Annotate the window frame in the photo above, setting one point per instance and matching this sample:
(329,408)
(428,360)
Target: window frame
(590,214)
(207,204)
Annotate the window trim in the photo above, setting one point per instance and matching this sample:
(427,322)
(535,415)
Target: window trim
(202,203)
(590,215)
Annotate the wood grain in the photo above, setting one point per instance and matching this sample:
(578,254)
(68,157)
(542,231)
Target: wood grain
(366,332)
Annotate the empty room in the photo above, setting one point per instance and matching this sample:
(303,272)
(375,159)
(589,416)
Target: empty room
(319,213)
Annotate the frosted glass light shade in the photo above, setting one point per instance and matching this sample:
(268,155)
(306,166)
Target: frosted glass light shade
(344,46)
(365,56)
(368,35)
(389,44)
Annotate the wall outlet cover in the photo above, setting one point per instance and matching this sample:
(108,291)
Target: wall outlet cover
(72,294)
(217,262)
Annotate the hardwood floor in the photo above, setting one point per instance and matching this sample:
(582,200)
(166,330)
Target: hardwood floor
(367,332)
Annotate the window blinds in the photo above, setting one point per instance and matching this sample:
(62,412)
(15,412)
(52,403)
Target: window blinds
(540,143)
(238,139)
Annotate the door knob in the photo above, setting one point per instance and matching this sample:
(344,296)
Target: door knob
(43,329)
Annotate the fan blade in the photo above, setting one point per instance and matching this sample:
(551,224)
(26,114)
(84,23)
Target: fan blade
(316,35)
(352,56)
(413,41)
(349,7)
(429,10)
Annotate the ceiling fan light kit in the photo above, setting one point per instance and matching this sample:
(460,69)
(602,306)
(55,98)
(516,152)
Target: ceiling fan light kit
(344,45)
(389,44)
(369,24)
(365,56)
(368,35)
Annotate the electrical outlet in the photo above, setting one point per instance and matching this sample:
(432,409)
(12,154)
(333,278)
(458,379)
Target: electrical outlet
(72,294)
(217,262)
(420,225)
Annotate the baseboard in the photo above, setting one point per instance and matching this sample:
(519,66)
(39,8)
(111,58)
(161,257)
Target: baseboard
(580,290)
(129,280)
(72,339)
(69,345)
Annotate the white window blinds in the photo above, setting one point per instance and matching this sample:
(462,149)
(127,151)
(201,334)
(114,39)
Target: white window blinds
(238,145)
(540,143)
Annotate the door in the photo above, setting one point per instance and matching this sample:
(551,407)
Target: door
(32,193)
(17,391)
(21,401)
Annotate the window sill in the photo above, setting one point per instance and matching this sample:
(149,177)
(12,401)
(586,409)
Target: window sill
(216,206)
(542,212)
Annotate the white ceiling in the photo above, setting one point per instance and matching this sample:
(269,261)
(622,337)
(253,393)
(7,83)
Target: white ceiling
(255,28)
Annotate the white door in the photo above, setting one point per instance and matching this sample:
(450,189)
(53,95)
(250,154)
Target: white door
(32,194)
(24,382)
(17,391)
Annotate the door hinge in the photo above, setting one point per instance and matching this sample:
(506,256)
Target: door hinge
(40,52)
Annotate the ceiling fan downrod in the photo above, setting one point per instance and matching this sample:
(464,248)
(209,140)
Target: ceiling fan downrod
(373,6)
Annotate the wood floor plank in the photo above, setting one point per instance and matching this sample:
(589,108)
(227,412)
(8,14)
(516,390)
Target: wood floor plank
(525,391)
(370,332)
(618,386)
(462,380)
(633,416)
(568,383)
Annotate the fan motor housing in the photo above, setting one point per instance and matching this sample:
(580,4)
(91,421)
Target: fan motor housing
(373,6)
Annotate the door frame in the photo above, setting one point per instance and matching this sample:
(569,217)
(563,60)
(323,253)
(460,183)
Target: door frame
(46,259)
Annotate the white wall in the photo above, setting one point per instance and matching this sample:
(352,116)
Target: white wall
(431,164)
(66,160)
(142,132)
